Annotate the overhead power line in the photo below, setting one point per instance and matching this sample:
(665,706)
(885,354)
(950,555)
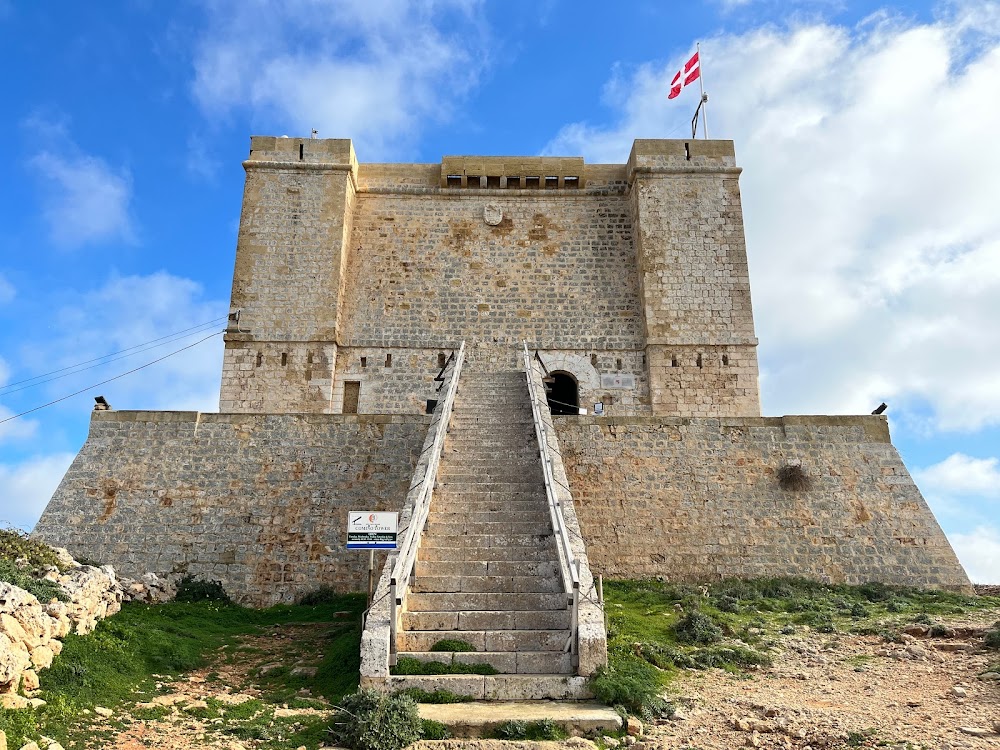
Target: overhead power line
(116,377)
(176,334)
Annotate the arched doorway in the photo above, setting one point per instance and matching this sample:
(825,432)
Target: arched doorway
(563,394)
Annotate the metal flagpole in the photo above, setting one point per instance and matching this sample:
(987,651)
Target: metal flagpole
(704,99)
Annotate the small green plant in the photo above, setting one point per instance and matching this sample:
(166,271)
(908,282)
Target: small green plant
(697,627)
(534,731)
(452,644)
(793,477)
(434,730)
(436,696)
(372,720)
(191,589)
(409,665)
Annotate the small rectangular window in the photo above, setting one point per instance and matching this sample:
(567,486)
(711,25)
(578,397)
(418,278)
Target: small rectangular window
(725,359)
(514,182)
(388,360)
(352,396)
(532,182)
(493,182)
(442,360)
(571,182)
(302,152)
(364,362)
(284,359)
(454,180)
(551,182)
(472,181)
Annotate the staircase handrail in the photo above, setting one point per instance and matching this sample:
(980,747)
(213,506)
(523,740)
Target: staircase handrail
(569,564)
(402,571)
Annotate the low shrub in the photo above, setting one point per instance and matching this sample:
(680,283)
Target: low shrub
(821,622)
(992,637)
(534,731)
(434,730)
(191,589)
(372,720)
(409,665)
(632,684)
(697,627)
(44,591)
(16,545)
(322,595)
(436,696)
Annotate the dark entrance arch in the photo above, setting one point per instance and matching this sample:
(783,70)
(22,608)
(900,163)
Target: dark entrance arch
(563,395)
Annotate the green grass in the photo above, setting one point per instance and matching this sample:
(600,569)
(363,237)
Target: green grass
(452,644)
(116,664)
(435,696)
(656,628)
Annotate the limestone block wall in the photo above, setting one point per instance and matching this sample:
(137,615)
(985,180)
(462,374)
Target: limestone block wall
(257,501)
(697,499)
(426,269)
(695,284)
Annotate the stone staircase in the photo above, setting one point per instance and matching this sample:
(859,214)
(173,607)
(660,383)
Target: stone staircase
(488,571)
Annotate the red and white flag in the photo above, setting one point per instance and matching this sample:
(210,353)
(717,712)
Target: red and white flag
(688,74)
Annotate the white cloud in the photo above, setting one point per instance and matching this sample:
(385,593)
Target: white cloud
(873,234)
(7,291)
(130,310)
(962,475)
(84,199)
(375,70)
(27,487)
(979,553)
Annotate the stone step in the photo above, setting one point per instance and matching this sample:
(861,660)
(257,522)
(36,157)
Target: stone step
(551,619)
(462,473)
(468,541)
(466,720)
(480,602)
(505,662)
(500,687)
(473,499)
(486,640)
(462,484)
(457,514)
(438,529)
(486,584)
(542,552)
(485,567)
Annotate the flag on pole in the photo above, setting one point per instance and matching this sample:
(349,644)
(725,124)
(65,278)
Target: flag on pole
(686,75)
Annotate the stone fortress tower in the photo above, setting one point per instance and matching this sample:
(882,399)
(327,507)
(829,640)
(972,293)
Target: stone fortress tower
(354,286)
(352,280)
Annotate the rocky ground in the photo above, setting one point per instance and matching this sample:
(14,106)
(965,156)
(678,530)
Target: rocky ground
(841,690)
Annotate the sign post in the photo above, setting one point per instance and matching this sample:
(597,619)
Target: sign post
(371,530)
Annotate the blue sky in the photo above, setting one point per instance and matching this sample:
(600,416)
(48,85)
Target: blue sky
(867,133)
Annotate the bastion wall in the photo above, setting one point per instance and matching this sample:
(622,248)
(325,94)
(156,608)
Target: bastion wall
(260,501)
(256,501)
(699,499)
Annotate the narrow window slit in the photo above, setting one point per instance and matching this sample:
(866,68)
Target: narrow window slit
(364,362)
(388,360)
(284,359)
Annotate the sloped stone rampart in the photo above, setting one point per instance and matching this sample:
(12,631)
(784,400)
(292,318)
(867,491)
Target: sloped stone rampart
(258,502)
(698,499)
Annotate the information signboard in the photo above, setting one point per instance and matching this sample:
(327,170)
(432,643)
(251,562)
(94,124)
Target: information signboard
(371,529)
